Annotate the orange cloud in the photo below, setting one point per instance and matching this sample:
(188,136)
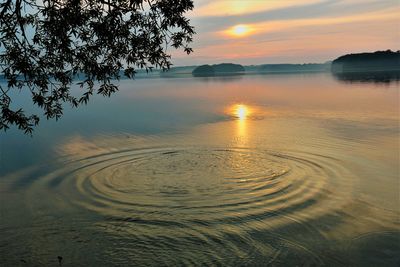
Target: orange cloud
(299,39)
(239,7)
(280,25)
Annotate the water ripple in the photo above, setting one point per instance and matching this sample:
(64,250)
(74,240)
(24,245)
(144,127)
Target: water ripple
(173,198)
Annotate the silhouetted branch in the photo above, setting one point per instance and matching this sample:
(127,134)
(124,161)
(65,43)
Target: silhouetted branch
(96,39)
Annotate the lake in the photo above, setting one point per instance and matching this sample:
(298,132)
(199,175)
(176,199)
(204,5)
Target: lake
(262,170)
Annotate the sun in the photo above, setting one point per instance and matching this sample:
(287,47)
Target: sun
(240,30)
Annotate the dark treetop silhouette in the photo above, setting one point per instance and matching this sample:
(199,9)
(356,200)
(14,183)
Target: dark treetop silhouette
(45,45)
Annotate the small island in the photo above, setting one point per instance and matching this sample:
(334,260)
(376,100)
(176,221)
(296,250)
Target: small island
(218,69)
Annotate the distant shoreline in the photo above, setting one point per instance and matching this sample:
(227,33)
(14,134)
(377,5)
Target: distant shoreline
(379,63)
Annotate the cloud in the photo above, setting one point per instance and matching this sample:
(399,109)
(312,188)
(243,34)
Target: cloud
(262,28)
(286,32)
(207,8)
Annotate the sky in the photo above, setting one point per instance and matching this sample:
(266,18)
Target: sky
(289,31)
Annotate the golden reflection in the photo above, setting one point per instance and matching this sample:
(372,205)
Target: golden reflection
(241,112)
(242,130)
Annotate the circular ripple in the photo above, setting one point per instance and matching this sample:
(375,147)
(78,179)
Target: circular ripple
(212,200)
(244,188)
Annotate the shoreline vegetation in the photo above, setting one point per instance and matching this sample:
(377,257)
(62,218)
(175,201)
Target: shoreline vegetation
(367,62)
(378,66)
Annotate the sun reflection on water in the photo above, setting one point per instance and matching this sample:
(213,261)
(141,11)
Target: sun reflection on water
(241,112)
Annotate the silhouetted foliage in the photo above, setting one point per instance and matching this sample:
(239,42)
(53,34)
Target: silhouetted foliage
(367,62)
(45,44)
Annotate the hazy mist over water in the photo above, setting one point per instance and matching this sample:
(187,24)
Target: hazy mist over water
(263,170)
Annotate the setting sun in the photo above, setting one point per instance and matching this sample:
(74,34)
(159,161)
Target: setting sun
(240,30)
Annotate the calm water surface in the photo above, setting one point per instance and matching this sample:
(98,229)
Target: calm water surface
(279,170)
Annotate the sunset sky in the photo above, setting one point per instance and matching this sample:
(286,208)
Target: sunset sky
(289,31)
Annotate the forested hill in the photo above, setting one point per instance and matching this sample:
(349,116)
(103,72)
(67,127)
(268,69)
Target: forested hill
(218,69)
(377,61)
